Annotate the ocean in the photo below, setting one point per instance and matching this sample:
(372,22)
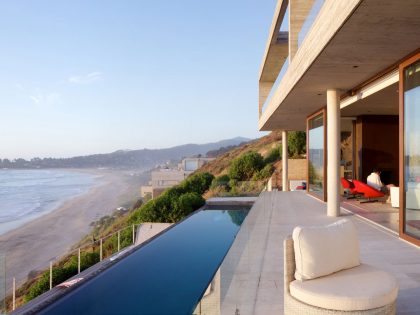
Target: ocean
(29,194)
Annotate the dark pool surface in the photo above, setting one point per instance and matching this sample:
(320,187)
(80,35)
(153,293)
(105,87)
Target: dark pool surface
(166,276)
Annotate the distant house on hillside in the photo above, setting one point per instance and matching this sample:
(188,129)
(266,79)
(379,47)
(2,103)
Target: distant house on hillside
(164,178)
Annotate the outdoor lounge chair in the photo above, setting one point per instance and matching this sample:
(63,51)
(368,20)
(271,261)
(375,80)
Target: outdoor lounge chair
(323,274)
(368,192)
(349,188)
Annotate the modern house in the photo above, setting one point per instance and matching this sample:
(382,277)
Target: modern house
(164,178)
(348,73)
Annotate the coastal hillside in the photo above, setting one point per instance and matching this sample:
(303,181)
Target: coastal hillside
(124,159)
(262,145)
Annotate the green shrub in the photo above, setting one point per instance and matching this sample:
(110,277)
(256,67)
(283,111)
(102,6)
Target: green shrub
(220,181)
(265,173)
(86,260)
(186,204)
(244,167)
(198,183)
(155,210)
(296,142)
(273,156)
(167,207)
(42,285)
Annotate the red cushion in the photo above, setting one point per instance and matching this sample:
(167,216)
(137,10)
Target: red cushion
(366,190)
(349,185)
(346,183)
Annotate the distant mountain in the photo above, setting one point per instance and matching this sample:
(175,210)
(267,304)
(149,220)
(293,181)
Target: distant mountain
(124,159)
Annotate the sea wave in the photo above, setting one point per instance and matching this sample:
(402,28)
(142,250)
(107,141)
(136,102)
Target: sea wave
(28,194)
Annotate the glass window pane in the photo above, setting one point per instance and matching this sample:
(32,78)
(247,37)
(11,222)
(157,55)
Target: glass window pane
(346,163)
(412,149)
(316,155)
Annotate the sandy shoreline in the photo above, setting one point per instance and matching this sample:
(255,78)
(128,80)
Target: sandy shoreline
(31,246)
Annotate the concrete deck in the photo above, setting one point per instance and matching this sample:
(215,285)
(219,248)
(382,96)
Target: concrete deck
(380,212)
(252,273)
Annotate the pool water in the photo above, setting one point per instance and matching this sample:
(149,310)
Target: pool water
(168,275)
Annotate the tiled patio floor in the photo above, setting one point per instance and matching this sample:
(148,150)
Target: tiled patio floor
(380,212)
(255,261)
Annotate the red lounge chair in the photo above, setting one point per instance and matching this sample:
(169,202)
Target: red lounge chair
(368,192)
(350,190)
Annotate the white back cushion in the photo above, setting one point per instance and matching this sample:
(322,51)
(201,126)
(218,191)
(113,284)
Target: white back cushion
(323,250)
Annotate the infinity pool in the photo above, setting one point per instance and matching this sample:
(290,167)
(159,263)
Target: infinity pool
(168,275)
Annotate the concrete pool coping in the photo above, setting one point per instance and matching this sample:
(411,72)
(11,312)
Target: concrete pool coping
(231,201)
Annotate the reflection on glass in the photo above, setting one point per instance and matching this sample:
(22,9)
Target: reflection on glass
(346,163)
(412,149)
(316,155)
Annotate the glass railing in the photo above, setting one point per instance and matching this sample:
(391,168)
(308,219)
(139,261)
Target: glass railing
(14,292)
(239,271)
(283,31)
(275,85)
(2,283)
(313,13)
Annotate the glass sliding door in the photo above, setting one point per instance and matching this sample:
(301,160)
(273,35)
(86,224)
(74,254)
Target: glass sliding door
(410,99)
(316,155)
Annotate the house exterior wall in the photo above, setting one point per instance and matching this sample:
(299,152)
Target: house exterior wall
(168,178)
(297,171)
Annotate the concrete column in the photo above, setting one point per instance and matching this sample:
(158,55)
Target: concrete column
(333,153)
(285,157)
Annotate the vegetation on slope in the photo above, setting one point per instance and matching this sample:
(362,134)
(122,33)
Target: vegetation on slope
(268,146)
(246,169)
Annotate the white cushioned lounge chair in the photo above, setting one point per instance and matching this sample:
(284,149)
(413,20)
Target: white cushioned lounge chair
(323,274)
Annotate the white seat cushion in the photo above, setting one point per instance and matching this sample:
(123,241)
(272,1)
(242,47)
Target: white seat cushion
(359,288)
(323,250)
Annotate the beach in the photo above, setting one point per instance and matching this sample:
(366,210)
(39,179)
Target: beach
(29,248)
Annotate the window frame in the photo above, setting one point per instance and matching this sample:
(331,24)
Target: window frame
(402,215)
(322,111)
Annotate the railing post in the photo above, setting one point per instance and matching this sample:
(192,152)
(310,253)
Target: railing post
(78,261)
(100,249)
(14,294)
(119,232)
(134,235)
(51,275)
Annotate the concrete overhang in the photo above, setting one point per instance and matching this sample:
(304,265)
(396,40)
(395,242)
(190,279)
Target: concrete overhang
(349,43)
(277,46)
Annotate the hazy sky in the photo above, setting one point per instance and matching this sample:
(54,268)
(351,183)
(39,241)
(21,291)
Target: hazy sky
(81,77)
